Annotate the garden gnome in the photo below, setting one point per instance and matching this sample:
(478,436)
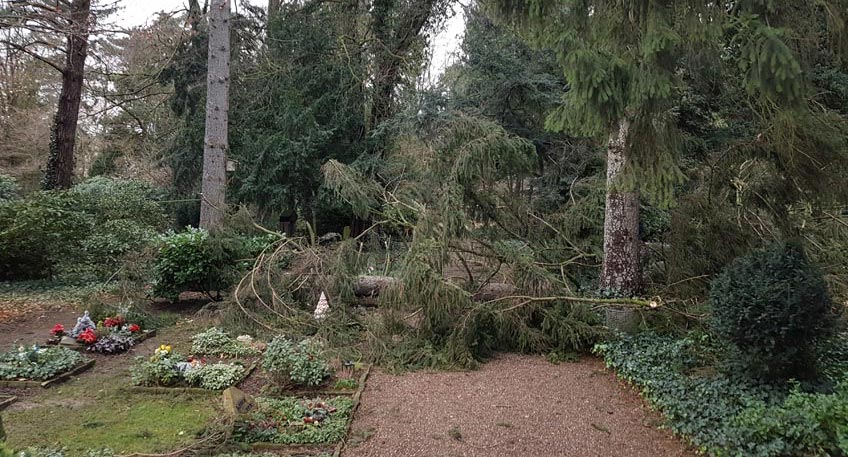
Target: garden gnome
(323,307)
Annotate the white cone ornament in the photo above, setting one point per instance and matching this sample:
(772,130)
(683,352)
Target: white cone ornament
(323,307)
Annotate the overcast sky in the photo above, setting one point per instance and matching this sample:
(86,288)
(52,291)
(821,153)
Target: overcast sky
(138,12)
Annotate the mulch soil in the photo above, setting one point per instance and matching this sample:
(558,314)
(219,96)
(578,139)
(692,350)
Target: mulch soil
(513,405)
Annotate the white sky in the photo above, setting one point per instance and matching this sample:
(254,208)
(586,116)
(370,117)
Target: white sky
(139,12)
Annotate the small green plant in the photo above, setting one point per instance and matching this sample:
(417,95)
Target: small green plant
(291,420)
(773,305)
(215,376)
(346,384)
(298,364)
(38,363)
(218,342)
(157,370)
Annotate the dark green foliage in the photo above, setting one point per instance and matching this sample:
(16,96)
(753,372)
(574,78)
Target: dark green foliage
(193,260)
(9,189)
(773,304)
(81,233)
(728,415)
(299,364)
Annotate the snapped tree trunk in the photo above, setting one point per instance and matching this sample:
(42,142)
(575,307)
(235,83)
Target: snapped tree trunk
(621,273)
(213,187)
(60,162)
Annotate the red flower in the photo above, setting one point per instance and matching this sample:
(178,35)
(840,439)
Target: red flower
(58,330)
(116,321)
(87,337)
(134,328)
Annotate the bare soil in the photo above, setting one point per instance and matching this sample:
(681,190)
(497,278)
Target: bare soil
(512,406)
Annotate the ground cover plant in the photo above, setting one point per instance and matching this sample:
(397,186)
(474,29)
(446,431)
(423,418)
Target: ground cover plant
(297,364)
(168,368)
(215,341)
(722,410)
(292,420)
(38,362)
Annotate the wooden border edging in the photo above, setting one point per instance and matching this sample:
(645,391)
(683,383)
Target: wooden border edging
(356,397)
(7,400)
(13,384)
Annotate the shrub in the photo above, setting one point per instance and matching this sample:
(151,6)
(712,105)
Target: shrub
(38,363)
(194,260)
(298,364)
(9,189)
(187,261)
(773,304)
(37,231)
(78,234)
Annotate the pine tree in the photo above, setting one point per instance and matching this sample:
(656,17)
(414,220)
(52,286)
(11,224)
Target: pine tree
(622,61)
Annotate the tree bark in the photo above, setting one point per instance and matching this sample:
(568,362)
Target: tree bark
(213,188)
(621,273)
(60,163)
(274,8)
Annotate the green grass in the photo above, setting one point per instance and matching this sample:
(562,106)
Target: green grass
(93,412)
(149,423)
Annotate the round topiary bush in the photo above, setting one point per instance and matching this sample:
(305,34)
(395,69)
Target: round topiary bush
(773,305)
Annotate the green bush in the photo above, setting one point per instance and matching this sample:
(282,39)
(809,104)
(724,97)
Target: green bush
(37,231)
(9,189)
(79,234)
(299,364)
(773,305)
(194,260)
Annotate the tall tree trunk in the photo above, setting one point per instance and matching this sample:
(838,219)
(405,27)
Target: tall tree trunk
(622,273)
(274,7)
(60,163)
(214,185)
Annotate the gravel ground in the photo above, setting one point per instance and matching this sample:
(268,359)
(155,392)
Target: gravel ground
(512,406)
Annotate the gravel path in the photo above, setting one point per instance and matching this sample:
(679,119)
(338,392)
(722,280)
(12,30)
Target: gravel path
(512,406)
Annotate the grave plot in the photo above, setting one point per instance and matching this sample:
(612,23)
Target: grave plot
(112,335)
(167,371)
(38,366)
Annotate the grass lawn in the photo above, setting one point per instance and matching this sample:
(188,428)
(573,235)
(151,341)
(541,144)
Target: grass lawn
(93,411)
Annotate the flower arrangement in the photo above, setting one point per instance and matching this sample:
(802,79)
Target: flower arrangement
(87,337)
(168,368)
(112,322)
(58,331)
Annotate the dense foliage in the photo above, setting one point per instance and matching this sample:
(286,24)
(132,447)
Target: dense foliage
(194,260)
(300,364)
(722,411)
(38,363)
(218,342)
(281,421)
(81,233)
(168,368)
(773,305)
